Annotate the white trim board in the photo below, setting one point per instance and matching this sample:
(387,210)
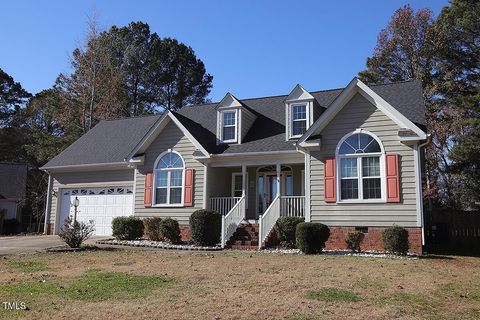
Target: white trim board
(357,86)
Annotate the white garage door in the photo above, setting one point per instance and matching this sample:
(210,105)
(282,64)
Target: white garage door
(98,204)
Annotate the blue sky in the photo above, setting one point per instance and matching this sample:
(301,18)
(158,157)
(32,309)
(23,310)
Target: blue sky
(252,48)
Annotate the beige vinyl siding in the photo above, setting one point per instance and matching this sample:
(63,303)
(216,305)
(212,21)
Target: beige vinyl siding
(104,178)
(173,138)
(359,113)
(247,121)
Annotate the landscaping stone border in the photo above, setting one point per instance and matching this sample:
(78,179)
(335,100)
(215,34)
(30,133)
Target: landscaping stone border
(156,244)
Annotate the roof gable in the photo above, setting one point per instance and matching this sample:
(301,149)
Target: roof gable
(299,93)
(357,86)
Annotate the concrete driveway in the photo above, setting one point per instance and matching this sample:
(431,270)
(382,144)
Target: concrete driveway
(24,244)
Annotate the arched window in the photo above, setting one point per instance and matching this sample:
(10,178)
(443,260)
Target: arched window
(169,179)
(359,166)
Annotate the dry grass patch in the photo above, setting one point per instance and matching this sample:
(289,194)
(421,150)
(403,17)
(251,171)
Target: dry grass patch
(27,266)
(239,285)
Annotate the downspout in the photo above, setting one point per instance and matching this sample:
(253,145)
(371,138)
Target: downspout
(419,148)
(48,203)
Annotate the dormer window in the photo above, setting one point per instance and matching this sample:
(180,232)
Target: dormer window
(301,111)
(299,119)
(229,126)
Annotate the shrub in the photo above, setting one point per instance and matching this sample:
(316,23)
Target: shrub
(170,230)
(152,228)
(75,233)
(127,228)
(354,239)
(311,237)
(286,228)
(205,227)
(395,239)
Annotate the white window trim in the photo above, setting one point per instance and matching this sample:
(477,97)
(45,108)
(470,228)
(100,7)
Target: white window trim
(359,156)
(234,140)
(290,118)
(154,182)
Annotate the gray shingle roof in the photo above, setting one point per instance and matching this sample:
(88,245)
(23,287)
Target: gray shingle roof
(13,179)
(111,141)
(268,130)
(108,142)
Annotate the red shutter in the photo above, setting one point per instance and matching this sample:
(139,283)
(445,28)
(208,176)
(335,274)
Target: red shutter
(147,198)
(329,181)
(393,180)
(188,196)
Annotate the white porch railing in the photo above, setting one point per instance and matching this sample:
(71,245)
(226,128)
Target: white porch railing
(292,206)
(267,220)
(223,205)
(232,219)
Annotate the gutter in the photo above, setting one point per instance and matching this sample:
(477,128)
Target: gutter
(92,165)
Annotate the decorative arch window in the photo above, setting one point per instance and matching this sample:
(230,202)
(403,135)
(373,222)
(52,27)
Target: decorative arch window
(169,171)
(360,167)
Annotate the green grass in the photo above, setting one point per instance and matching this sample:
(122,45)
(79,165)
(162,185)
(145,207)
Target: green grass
(459,290)
(405,299)
(96,285)
(369,283)
(93,285)
(28,266)
(333,295)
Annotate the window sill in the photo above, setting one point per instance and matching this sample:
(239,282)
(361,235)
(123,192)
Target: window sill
(229,141)
(179,205)
(361,201)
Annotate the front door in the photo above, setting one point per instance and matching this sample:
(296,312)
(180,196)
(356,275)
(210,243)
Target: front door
(266,191)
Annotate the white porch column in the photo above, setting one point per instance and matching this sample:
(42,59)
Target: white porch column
(244,180)
(279,171)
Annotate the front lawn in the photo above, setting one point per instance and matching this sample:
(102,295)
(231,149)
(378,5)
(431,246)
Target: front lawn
(237,285)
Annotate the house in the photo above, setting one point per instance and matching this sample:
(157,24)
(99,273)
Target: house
(350,158)
(13,180)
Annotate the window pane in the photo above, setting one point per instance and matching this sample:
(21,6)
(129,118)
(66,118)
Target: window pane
(371,188)
(237,193)
(349,189)
(289,185)
(359,143)
(299,127)
(371,166)
(228,133)
(176,178)
(175,195)
(299,112)
(348,167)
(237,183)
(161,178)
(229,118)
(161,195)
(170,160)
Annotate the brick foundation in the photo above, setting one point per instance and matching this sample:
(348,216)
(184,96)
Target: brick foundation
(185,232)
(373,239)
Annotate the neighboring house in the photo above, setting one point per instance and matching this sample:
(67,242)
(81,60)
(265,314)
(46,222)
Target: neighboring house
(349,158)
(13,180)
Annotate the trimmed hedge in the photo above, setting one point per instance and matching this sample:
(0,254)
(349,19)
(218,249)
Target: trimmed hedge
(395,240)
(127,228)
(286,227)
(311,237)
(205,227)
(170,230)
(152,228)
(354,240)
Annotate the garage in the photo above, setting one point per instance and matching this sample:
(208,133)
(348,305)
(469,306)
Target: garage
(99,205)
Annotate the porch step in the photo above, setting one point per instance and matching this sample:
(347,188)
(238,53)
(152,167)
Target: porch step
(245,237)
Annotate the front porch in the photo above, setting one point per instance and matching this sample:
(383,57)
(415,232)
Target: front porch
(256,195)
